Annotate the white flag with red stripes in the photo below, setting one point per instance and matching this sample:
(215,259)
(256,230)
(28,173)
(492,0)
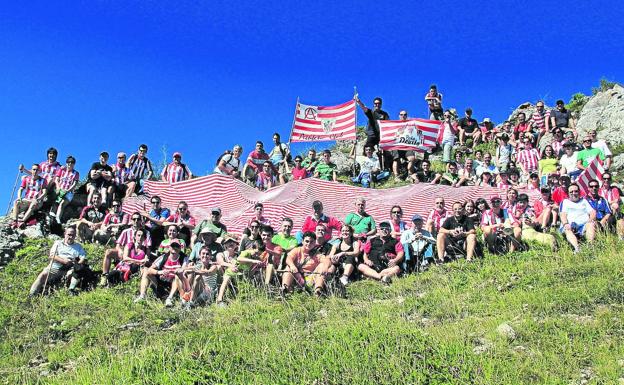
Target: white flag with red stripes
(593,171)
(319,123)
(412,134)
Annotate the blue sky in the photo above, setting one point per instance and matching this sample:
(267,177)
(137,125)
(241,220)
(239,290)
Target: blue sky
(202,76)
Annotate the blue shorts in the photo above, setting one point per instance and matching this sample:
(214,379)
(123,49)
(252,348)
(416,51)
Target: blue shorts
(576,228)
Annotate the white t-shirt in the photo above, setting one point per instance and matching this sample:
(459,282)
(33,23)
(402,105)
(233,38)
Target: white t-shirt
(369,164)
(569,162)
(601,144)
(577,212)
(448,135)
(230,164)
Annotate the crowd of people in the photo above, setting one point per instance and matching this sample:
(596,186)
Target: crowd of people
(197,261)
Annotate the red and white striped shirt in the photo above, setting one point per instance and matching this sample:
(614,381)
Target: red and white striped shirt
(47,170)
(437,218)
(528,158)
(611,194)
(115,219)
(175,172)
(121,173)
(66,178)
(33,186)
(539,120)
(503,185)
(489,217)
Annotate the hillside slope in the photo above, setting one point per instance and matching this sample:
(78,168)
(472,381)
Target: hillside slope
(531,318)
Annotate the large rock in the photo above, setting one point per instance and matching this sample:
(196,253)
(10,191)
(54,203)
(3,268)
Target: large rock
(605,112)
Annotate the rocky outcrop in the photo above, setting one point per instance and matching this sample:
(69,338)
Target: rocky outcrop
(605,113)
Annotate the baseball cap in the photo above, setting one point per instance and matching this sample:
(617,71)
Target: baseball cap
(215,210)
(417,217)
(177,154)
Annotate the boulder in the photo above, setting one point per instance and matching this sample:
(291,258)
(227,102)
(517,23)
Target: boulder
(605,113)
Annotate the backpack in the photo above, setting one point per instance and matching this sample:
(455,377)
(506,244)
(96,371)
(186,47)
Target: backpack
(227,152)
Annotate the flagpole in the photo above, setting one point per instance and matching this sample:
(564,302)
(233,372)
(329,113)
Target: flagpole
(355,141)
(292,128)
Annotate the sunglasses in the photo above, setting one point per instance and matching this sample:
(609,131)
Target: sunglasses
(136,219)
(593,186)
(397,212)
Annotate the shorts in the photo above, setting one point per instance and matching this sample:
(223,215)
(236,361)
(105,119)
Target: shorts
(577,229)
(98,184)
(66,195)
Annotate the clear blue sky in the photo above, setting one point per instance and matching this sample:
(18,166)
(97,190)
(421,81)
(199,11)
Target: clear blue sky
(201,76)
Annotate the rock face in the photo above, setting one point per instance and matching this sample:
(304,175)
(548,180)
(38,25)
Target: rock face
(605,112)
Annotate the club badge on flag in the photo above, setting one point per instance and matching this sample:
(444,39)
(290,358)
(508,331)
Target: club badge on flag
(412,134)
(321,123)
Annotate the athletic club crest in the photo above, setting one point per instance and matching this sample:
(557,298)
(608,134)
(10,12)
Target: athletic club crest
(328,125)
(409,134)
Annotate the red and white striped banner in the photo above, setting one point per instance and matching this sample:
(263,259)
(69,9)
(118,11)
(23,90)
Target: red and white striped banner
(319,124)
(412,134)
(593,171)
(294,199)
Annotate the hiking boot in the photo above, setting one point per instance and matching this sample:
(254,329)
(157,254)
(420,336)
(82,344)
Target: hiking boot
(344,280)
(103,281)
(168,302)
(386,280)
(140,298)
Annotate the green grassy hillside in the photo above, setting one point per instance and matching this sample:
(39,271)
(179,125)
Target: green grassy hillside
(530,318)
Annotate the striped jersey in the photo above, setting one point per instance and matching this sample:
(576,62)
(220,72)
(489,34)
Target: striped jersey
(66,178)
(175,172)
(139,166)
(33,186)
(47,170)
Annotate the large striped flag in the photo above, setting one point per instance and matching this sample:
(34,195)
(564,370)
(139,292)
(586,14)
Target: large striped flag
(412,134)
(319,124)
(593,171)
(294,199)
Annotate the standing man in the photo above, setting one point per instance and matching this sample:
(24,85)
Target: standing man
(279,157)
(434,101)
(176,171)
(140,167)
(372,128)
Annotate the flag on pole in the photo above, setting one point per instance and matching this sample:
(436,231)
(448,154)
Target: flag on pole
(412,134)
(593,171)
(319,123)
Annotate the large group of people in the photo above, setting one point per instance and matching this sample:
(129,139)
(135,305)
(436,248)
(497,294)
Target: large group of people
(198,260)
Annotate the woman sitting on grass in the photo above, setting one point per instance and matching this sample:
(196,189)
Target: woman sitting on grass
(249,261)
(344,254)
(134,258)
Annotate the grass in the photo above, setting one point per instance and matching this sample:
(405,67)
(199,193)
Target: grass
(437,327)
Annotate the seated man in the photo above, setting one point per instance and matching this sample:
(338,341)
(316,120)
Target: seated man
(528,158)
(417,245)
(123,183)
(469,128)
(266,179)
(370,170)
(272,253)
(383,256)
(362,222)
(578,218)
(65,182)
(456,235)
(467,175)
(600,205)
(230,164)
(448,178)
(214,222)
(326,170)
(141,168)
(34,189)
(487,165)
(425,174)
(114,222)
(155,219)
(176,171)
(91,218)
(255,162)
(161,274)
(49,167)
(305,265)
(588,154)
(115,254)
(437,215)
(525,223)
(100,179)
(66,258)
(602,145)
(284,239)
(311,221)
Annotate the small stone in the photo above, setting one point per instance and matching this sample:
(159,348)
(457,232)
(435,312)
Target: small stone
(506,331)
(15,244)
